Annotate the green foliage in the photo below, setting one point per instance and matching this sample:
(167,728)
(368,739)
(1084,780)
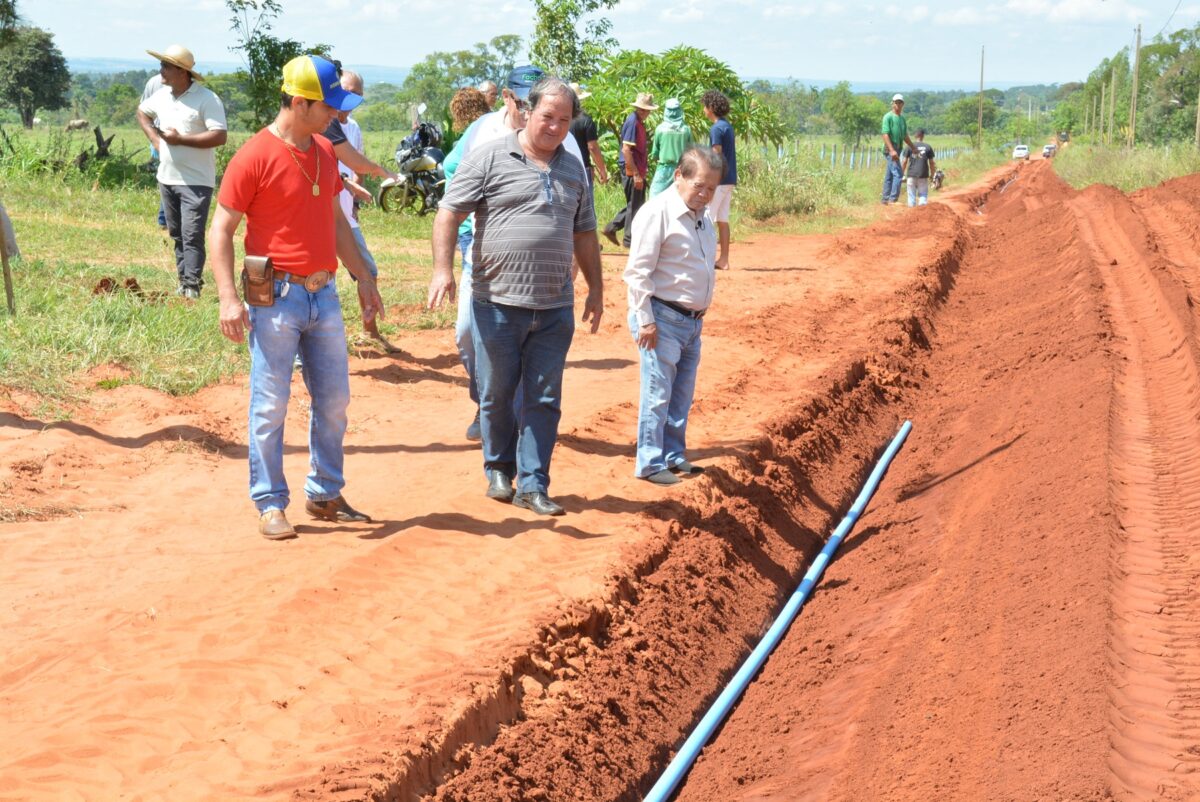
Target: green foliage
(798,107)
(8,20)
(560,48)
(264,55)
(33,73)
(1127,170)
(853,115)
(962,116)
(70,159)
(681,72)
(115,105)
(435,79)
(797,183)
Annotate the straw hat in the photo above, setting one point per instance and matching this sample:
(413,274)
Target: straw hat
(645,100)
(181,57)
(579,91)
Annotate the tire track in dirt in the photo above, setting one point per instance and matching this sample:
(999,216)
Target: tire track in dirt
(1155,486)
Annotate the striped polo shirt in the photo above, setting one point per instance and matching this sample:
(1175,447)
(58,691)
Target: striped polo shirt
(525,222)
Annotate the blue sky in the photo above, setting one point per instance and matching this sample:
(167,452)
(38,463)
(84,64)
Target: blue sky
(930,42)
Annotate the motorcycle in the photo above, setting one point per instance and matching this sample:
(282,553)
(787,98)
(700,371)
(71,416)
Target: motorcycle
(421,180)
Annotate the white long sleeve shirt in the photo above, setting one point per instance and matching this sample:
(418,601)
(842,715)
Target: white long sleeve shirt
(672,256)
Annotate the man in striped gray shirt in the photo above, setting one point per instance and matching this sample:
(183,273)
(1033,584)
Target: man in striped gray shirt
(533,212)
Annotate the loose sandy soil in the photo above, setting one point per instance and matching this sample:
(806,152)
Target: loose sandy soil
(1015,618)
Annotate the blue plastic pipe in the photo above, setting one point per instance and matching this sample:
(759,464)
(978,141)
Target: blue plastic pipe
(690,750)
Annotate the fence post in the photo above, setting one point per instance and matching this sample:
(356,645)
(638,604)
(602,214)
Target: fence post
(823,145)
(853,153)
(833,155)
(8,285)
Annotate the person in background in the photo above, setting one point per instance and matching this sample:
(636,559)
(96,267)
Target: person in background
(918,167)
(894,131)
(583,128)
(671,274)
(490,93)
(285,182)
(533,214)
(153,84)
(185,122)
(467,106)
(632,163)
(671,138)
(354,194)
(721,140)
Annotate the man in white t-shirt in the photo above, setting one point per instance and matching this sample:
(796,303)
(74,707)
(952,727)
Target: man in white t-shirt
(185,122)
(353,82)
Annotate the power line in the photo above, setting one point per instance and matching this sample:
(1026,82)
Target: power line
(1168,22)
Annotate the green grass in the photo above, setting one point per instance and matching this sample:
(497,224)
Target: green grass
(1083,165)
(76,228)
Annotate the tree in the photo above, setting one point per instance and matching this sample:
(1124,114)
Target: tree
(8,20)
(115,105)
(435,79)
(962,116)
(852,115)
(33,73)
(685,73)
(263,54)
(558,46)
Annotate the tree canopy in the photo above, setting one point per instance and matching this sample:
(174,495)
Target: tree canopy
(33,73)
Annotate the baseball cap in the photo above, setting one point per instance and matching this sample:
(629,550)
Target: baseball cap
(897,96)
(522,79)
(314,78)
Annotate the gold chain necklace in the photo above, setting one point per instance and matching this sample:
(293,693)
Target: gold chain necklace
(316,187)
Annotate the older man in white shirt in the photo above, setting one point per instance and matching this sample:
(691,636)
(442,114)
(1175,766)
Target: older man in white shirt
(671,274)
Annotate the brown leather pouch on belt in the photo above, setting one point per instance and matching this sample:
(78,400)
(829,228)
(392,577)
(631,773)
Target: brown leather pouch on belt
(258,281)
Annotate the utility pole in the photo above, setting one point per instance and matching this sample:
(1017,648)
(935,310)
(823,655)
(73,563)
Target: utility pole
(1103,118)
(1112,108)
(1133,93)
(1198,119)
(979,144)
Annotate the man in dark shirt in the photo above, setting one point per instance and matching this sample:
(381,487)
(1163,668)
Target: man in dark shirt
(918,166)
(720,139)
(583,128)
(632,163)
(350,157)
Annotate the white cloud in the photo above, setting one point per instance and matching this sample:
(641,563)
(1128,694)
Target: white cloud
(968,16)
(688,13)
(907,13)
(781,11)
(1077,10)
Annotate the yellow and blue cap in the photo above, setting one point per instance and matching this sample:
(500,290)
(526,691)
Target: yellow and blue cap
(314,78)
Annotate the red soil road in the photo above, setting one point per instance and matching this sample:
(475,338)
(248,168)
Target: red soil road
(154,647)
(1018,617)
(1014,619)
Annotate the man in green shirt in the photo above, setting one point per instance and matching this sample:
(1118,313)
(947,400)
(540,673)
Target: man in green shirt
(671,138)
(895,134)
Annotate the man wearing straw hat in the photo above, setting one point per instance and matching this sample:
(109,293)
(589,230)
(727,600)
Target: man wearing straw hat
(632,163)
(185,122)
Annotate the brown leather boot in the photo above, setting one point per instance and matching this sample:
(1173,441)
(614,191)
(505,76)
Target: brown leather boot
(273,525)
(336,509)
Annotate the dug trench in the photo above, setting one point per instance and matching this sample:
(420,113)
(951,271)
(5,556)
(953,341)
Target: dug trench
(1017,617)
(590,708)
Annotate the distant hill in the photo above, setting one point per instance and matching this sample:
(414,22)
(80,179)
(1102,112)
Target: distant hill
(372,73)
(871,87)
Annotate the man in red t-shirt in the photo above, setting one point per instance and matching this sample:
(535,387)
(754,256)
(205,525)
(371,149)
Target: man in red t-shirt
(285,182)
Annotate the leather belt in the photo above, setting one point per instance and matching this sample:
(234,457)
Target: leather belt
(311,282)
(683,310)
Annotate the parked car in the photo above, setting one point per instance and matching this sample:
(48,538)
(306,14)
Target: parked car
(1021,152)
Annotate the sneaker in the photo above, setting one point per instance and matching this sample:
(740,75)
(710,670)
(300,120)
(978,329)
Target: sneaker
(474,432)
(686,468)
(191,293)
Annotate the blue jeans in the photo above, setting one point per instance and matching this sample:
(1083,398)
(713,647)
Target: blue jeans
(309,323)
(462,326)
(668,377)
(892,179)
(529,347)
